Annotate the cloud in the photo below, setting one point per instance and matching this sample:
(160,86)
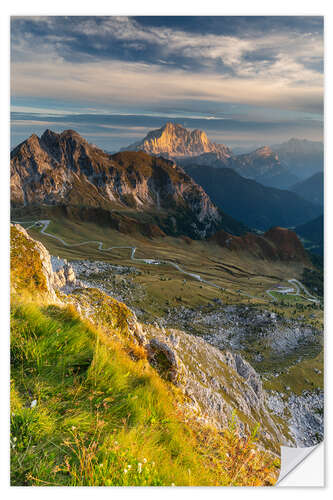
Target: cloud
(182,67)
(126,39)
(140,84)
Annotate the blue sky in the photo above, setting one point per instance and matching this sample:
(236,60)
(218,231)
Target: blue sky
(247,81)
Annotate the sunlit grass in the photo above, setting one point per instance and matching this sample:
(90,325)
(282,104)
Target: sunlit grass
(101,418)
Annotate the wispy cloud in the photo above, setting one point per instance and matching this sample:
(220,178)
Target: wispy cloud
(131,64)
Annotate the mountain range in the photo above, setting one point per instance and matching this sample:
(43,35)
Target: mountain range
(64,169)
(133,191)
(278,166)
(303,158)
(256,205)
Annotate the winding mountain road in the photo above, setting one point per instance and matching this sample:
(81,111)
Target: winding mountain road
(294,290)
(45,223)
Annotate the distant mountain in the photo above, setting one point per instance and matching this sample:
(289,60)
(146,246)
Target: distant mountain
(276,244)
(312,234)
(311,189)
(175,141)
(264,166)
(65,170)
(256,205)
(303,158)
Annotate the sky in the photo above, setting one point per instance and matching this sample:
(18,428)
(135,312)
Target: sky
(246,81)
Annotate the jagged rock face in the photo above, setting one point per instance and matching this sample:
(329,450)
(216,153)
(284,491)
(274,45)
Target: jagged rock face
(215,382)
(175,141)
(65,169)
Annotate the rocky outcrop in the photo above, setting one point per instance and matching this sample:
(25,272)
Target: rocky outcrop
(64,277)
(58,273)
(175,141)
(164,359)
(214,382)
(304,414)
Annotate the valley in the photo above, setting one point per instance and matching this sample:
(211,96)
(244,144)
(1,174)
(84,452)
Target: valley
(231,300)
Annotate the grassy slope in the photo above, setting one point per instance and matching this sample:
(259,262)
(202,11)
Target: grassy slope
(87,409)
(98,412)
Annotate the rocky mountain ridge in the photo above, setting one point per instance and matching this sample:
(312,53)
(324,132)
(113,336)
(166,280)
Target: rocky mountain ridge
(175,141)
(64,169)
(194,148)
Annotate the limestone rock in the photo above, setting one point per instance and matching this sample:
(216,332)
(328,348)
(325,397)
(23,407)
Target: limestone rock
(59,275)
(175,141)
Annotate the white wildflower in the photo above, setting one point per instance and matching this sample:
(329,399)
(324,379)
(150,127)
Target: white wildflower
(129,466)
(144,460)
(33,403)
(125,471)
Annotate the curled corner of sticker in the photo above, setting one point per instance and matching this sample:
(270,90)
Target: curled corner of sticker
(291,458)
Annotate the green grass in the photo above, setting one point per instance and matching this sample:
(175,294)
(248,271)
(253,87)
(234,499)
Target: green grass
(99,415)
(289,299)
(304,375)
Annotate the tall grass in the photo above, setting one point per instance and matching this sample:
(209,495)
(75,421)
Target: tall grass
(83,412)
